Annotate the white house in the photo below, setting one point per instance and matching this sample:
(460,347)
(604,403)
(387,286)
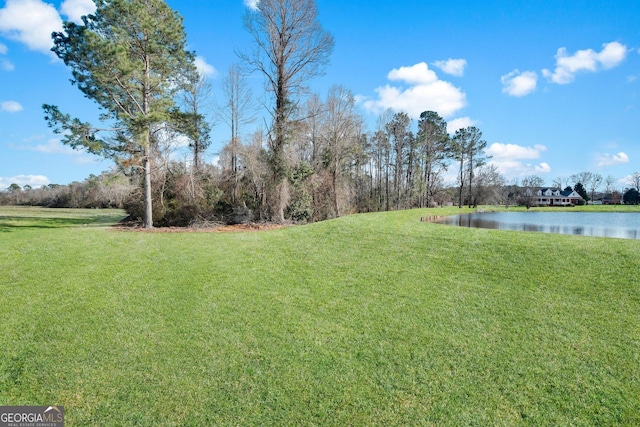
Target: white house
(546,196)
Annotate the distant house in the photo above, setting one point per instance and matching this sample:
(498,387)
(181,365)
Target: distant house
(614,199)
(547,196)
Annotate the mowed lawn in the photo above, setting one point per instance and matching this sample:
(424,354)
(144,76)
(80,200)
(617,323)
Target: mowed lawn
(374,319)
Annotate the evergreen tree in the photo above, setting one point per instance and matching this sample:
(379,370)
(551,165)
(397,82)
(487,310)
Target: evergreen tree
(631,197)
(579,188)
(130,58)
(434,150)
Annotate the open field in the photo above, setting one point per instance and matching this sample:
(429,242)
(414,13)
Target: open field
(375,319)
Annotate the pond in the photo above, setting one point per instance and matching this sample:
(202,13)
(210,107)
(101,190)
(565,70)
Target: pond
(598,224)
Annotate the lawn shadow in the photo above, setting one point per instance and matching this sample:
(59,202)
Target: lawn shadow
(11,223)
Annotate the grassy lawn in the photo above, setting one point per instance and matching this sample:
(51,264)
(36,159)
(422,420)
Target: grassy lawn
(375,319)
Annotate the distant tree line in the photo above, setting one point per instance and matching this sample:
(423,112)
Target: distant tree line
(184,195)
(107,190)
(315,160)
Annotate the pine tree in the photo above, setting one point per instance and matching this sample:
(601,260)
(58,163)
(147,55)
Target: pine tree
(129,57)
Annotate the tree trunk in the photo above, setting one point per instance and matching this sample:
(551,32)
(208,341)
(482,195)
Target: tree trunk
(461,184)
(148,207)
(280,200)
(334,179)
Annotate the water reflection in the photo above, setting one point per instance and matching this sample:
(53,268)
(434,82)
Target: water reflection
(614,225)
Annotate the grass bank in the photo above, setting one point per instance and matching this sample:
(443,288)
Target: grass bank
(375,319)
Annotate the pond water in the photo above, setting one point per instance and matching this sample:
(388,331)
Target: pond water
(599,224)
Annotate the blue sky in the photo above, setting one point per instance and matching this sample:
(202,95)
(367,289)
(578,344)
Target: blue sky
(552,85)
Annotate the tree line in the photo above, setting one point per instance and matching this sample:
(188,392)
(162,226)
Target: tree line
(315,160)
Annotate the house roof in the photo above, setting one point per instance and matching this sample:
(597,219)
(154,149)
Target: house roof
(570,193)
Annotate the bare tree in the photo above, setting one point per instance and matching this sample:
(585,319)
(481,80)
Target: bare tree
(310,143)
(342,130)
(608,182)
(489,185)
(383,147)
(634,180)
(530,186)
(253,158)
(290,47)
(583,177)
(594,184)
(237,110)
(195,99)
(561,182)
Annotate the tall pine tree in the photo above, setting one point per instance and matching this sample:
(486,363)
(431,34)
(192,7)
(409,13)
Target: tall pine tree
(129,57)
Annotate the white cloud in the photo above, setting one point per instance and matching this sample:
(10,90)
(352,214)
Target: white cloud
(11,106)
(22,180)
(603,160)
(75,9)
(511,159)
(204,69)
(624,182)
(587,60)
(517,169)
(543,168)
(612,55)
(424,92)
(416,74)
(513,151)
(6,65)
(460,123)
(455,67)
(252,4)
(30,22)
(519,84)
(53,146)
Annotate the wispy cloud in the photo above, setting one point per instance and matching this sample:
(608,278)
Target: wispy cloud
(6,65)
(52,146)
(603,160)
(418,89)
(587,60)
(252,4)
(11,106)
(55,147)
(455,67)
(519,84)
(514,161)
(205,69)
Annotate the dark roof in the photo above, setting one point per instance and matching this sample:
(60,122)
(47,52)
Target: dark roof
(567,193)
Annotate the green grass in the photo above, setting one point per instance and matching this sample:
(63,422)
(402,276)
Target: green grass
(375,319)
